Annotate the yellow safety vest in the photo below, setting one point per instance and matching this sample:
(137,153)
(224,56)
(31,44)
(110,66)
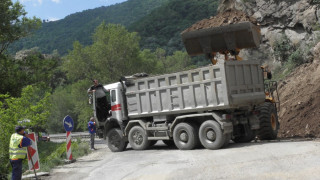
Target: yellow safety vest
(14,151)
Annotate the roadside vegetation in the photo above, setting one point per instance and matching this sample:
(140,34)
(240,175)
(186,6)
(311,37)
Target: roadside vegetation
(53,154)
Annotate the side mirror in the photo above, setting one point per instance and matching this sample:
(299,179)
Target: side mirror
(90,99)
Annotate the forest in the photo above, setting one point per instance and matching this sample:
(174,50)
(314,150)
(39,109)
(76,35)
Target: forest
(158,23)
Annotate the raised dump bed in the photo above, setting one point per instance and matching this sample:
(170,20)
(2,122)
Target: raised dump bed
(216,39)
(229,85)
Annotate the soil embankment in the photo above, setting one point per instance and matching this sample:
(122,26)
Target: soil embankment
(300,102)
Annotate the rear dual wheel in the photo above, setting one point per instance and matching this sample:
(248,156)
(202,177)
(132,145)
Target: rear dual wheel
(211,135)
(186,136)
(138,138)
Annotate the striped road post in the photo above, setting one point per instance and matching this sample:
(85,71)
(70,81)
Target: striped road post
(69,153)
(33,156)
(68,126)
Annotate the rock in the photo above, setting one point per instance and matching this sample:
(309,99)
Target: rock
(316,53)
(294,18)
(295,36)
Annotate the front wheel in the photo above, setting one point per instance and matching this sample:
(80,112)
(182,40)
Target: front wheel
(138,138)
(269,124)
(116,141)
(211,135)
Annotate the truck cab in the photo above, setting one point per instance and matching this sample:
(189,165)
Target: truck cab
(115,107)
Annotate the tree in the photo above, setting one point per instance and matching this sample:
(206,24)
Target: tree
(14,24)
(33,105)
(30,67)
(114,53)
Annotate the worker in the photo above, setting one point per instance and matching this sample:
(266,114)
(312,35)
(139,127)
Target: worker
(18,151)
(103,107)
(92,132)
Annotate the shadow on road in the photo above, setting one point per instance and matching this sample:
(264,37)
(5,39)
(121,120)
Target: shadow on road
(231,145)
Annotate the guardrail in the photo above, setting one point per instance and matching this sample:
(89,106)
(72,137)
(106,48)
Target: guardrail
(73,134)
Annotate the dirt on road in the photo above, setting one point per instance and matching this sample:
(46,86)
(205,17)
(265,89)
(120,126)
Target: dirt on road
(300,102)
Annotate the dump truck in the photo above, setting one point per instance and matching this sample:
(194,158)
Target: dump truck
(207,106)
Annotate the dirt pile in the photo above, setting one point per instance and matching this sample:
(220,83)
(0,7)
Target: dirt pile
(222,19)
(300,102)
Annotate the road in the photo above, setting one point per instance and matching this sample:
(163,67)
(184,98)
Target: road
(285,159)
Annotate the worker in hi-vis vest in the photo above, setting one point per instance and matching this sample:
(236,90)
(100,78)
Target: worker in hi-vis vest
(18,151)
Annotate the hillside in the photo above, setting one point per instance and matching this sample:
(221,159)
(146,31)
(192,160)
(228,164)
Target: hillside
(61,34)
(158,22)
(300,101)
(162,27)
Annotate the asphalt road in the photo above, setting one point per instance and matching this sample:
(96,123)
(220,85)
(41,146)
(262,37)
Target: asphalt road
(285,159)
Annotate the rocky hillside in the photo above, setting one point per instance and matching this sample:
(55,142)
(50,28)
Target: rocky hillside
(297,19)
(299,92)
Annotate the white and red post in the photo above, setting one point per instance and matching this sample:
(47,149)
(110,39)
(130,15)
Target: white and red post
(69,154)
(33,152)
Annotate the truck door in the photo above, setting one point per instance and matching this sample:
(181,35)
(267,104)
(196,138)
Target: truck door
(116,105)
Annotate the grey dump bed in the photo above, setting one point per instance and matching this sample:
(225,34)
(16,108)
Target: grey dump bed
(229,85)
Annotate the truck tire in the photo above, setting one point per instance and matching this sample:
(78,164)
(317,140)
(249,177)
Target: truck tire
(269,124)
(185,136)
(138,138)
(211,135)
(115,140)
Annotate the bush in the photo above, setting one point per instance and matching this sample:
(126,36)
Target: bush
(296,58)
(289,56)
(282,48)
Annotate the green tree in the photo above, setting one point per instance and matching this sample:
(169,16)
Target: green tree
(115,52)
(179,61)
(30,67)
(14,24)
(33,105)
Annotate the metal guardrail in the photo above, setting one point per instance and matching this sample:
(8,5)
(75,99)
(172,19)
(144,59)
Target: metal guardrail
(73,134)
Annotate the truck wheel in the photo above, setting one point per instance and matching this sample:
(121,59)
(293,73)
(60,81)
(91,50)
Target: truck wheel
(115,140)
(185,136)
(138,138)
(269,124)
(211,135)
(169,143)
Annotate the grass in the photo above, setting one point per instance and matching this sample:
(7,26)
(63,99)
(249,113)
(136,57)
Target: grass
(53,154)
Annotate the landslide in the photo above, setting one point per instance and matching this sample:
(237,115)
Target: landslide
(299,95)
(227,17)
